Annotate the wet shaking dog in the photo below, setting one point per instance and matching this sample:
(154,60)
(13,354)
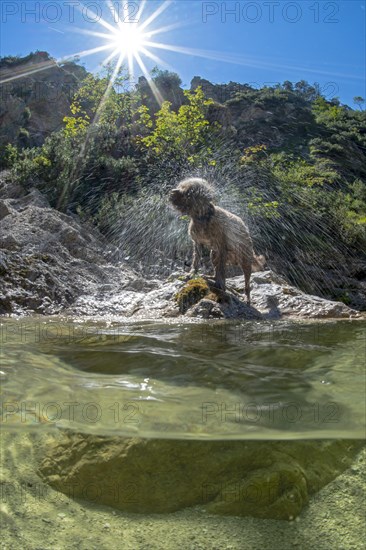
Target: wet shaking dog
(224,233)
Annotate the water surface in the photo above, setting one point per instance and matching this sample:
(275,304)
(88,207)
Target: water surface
(217,380)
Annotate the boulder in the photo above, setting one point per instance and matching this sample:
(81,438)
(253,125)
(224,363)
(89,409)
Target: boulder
(265,479)
(47,258)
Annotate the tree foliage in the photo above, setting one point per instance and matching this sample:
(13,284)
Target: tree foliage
(179,134)
(295,159)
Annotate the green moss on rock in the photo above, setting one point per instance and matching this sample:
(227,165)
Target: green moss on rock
(191,293)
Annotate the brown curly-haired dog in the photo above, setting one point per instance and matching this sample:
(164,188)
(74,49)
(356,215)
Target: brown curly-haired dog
(224,233)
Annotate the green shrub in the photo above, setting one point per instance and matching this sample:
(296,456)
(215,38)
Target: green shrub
(8,156)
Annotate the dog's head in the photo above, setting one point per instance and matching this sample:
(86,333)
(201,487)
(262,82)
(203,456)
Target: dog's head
(192,196)
(180,201)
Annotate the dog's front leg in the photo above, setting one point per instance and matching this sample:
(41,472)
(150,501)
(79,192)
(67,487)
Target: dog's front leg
(219,261)
(197,252)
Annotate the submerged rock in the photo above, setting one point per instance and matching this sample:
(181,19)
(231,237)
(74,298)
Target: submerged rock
(265,479)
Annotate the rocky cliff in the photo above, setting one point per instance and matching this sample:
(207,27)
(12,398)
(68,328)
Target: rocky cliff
(35,94)
(47,258)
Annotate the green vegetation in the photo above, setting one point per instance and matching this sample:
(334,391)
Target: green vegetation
(182,135)
(294,160)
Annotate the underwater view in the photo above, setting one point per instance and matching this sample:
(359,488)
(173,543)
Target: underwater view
(221,435)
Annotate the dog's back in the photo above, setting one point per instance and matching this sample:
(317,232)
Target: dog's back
(224,229)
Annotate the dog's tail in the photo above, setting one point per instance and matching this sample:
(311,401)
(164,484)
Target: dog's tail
(259,262)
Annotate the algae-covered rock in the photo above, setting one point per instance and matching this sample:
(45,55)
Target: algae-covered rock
(270,479)
(191,293)
(272,298)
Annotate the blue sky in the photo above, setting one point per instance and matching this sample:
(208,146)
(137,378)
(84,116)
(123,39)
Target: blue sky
(258,42)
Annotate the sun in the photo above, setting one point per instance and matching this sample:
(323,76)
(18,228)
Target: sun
(129,40)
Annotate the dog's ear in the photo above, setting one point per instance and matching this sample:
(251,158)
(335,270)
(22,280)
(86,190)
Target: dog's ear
(211,208)
(174,195)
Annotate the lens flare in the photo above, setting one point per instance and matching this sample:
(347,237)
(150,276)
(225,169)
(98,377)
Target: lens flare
(129,40)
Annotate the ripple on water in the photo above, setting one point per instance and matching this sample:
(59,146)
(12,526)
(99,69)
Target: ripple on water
(213,380)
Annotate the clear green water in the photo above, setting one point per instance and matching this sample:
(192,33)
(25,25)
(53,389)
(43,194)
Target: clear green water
(246,380)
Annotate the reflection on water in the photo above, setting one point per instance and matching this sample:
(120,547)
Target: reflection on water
(218,380)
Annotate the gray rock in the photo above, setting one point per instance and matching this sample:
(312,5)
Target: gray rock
(272,298)
(35,198)
(48,259)
(9,242)
(5,208)
(47,94)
